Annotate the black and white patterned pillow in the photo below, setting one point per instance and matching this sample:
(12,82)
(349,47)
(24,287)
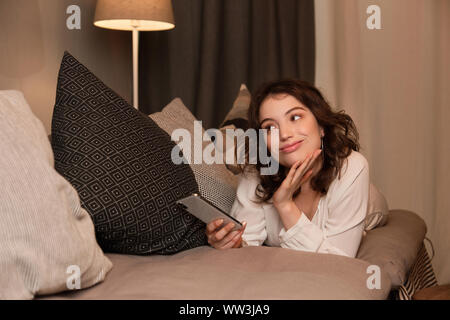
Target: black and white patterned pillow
(119,161)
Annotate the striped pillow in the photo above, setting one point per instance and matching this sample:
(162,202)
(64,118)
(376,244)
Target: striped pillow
(47,240)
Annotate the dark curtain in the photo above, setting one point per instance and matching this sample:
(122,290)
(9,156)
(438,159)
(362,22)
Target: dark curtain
(219,44)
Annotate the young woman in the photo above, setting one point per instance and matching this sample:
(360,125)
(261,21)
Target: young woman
(318,199)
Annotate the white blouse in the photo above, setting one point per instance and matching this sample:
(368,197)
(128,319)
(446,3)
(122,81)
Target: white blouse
(337,226)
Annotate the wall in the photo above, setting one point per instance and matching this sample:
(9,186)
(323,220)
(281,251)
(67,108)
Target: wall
(395,84)
(33,38)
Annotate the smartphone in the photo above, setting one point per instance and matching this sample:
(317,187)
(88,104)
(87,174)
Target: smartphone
(201,208)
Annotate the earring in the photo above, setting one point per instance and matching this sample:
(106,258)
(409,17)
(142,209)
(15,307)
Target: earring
(321,142)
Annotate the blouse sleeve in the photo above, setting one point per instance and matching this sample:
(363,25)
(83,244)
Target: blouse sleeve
(344,226)
(245,208)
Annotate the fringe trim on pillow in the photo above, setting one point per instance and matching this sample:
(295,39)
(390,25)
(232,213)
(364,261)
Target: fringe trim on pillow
(420,276)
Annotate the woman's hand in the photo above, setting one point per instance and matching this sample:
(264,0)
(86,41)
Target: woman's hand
(299,173)
(224,238)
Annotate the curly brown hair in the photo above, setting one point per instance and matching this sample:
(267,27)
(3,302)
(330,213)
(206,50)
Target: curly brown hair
(340,135)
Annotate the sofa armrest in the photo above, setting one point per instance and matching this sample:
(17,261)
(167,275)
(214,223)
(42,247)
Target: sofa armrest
(394,246)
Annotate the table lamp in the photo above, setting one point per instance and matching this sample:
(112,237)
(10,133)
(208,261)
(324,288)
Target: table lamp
(135,16)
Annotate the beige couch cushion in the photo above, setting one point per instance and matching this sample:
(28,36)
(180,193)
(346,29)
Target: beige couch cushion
(394,246)
(43,229)
(245,273)
(265,272)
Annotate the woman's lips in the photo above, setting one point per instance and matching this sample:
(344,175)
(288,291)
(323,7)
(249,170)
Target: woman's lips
(292,147)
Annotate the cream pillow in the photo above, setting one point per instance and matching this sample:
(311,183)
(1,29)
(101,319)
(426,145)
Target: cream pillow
(377,209)
(236,119)
(47,240)
(237,116)
(215,182)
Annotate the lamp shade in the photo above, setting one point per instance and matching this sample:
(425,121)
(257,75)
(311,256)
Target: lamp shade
(141,15)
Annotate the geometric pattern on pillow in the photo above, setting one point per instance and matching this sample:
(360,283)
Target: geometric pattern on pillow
(119,161)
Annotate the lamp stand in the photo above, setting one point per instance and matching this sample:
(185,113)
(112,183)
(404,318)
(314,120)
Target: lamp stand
(135,67)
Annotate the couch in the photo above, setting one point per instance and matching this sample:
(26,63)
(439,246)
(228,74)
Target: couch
(267,273)
(61,241)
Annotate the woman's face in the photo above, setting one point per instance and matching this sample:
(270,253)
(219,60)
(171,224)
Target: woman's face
(299,131)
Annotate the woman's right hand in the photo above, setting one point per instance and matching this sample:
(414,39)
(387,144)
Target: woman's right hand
(299,173)
(224,238)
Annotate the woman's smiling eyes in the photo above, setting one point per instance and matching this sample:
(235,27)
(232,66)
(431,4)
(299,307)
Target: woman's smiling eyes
(294,117)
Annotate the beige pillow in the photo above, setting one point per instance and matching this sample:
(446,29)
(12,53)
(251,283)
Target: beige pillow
(46,238)
(237,116)
(236,119)
(377,209)
(215,182)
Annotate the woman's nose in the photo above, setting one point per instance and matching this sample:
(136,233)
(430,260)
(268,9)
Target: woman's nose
(285,132)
